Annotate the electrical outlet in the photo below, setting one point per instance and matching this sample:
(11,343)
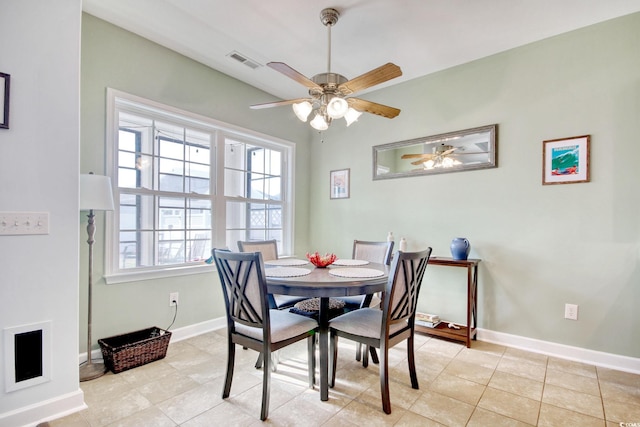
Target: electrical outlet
(571,311)
(173,299)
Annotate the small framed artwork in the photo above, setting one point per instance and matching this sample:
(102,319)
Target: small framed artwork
(565,160)
(4,100)
(339,183)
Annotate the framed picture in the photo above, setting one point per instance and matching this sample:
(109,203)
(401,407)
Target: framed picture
(565,160)
(339,183)
(4,100)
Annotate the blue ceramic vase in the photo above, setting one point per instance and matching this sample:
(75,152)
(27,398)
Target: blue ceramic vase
(460,248)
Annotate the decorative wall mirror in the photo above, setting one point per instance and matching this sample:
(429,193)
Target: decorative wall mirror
(463,150)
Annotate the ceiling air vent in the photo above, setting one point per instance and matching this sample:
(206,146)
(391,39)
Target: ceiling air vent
(243,59)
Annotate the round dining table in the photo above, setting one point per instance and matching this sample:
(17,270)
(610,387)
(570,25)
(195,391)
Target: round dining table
(321,283)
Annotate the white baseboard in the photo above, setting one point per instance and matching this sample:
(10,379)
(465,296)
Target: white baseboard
(198,329)
(32,415)
(592,357)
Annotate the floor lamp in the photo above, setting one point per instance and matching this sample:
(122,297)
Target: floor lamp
(95,195)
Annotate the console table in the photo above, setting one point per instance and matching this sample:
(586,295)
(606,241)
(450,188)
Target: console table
(468,332)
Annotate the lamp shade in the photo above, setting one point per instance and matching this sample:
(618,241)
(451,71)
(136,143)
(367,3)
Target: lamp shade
(352,116)
(302,110)
(95,193)
(319,123)
(337,108)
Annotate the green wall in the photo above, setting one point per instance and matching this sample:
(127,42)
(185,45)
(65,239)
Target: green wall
(541,246)
(113,57)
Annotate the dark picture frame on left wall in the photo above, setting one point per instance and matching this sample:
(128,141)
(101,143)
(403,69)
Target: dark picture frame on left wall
(4,100)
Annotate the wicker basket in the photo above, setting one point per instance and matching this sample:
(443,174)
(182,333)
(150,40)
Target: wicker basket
(134,349)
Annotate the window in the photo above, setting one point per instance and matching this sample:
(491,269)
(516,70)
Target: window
(253,182)
(185,184)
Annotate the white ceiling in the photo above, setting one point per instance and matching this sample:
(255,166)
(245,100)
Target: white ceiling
(421,36)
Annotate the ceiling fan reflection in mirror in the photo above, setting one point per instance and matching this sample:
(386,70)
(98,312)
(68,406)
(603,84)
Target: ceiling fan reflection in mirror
(329,91)
(442,156)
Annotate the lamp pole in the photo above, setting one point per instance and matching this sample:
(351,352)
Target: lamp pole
(91,370)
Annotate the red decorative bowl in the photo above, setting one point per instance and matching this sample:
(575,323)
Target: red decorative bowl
(321,261)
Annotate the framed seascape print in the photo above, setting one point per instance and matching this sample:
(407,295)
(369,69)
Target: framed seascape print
(4,100)
(339,184)
(565,160)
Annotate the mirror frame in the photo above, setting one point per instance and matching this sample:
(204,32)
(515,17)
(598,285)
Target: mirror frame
(492,161)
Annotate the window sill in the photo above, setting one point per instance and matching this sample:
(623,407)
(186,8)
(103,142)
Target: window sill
(135,276)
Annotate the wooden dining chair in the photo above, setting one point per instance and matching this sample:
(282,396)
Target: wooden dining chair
(269,251)
(250,321)
(377,252)
(380,253)
(383,329)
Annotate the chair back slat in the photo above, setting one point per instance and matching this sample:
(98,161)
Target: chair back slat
(378,252)
(244,287)
(404,284)
(268,248)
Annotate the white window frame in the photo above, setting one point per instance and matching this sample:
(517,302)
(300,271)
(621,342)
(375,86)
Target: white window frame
(220,131)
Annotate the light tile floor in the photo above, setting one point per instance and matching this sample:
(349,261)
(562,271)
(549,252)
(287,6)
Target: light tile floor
(486,385)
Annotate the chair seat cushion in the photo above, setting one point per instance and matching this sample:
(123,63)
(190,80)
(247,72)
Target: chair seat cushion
(313,304)
(365,322)
(352,302)
(311,308)
(284,325)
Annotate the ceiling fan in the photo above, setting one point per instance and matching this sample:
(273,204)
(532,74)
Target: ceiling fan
(442,155)
(328,91)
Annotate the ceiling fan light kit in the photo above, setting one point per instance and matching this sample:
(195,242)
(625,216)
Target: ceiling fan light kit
(319,122)
(302,110)
(329,91)
(352,116)
(337,107)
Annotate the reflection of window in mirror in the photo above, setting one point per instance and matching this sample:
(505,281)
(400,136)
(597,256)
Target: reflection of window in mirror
(385,162)
(383,169)
(451,152)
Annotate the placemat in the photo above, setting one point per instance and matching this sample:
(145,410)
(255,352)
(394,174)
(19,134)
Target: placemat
(356,272)
(286,261)
(350,262)
(286,272)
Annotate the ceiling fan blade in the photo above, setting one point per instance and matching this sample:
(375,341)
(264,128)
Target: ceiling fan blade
(279,103)
(415,156)
(421,161)
(374,77)
(293,74)
(373,108)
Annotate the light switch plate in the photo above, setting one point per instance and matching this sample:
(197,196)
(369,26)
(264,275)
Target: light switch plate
(23,223)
